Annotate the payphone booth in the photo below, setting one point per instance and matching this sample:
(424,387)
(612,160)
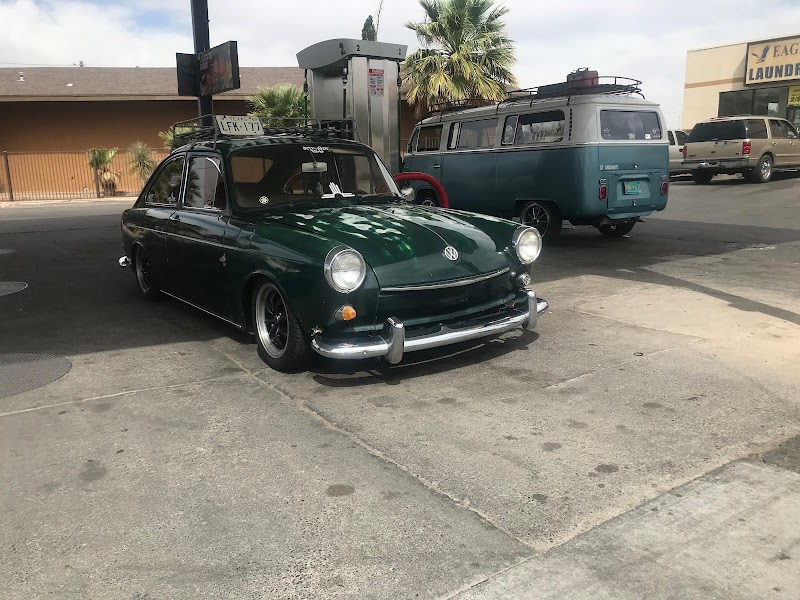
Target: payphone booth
(358,79)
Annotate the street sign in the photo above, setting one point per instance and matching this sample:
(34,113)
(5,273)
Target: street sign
(207,73)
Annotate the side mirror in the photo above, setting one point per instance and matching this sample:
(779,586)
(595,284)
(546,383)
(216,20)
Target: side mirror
(408,194)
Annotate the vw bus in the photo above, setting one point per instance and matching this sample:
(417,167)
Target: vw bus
(587,151)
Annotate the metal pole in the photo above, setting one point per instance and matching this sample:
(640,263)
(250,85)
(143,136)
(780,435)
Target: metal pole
(202,42)
(305,95)
(399,122)
(8,177)
(94,168)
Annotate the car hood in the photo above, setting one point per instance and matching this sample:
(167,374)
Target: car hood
(404,245)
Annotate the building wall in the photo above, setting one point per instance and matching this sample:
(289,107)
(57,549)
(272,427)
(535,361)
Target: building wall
(80,125)
(709,72)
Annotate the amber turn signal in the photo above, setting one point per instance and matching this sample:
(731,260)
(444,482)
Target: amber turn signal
(346,313)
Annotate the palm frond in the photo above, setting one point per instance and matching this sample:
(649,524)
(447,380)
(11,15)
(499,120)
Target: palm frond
(465,53)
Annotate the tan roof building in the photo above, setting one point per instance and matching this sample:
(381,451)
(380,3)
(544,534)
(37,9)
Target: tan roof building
(75,108)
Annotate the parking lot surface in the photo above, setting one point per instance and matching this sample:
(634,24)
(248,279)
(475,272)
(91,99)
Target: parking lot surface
(641,443)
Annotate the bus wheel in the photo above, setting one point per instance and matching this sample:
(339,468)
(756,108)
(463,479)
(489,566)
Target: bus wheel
(544,216)
(618,229)
(428,199)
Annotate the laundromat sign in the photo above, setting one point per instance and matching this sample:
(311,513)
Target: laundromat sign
(773,60)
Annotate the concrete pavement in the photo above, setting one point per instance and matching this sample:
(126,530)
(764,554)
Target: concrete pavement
(169,463)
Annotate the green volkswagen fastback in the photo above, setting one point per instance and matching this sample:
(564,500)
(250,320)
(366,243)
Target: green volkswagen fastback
(304,240)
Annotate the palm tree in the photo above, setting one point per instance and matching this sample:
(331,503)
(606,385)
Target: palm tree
(100,160)
(141,159)
(274,104)
(465,53)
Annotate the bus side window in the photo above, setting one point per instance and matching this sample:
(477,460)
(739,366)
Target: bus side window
(509,129)
(429,138)
(412,143)
(540,128)
(453,139)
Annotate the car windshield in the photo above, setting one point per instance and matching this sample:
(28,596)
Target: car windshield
(717,130)
(309,173)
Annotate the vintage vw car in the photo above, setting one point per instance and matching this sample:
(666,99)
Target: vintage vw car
(305,241)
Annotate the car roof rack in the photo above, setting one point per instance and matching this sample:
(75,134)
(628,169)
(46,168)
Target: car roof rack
(591,83)
(206,129)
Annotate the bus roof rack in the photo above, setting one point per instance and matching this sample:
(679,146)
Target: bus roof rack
(587,83)
(205,128)
(440,108)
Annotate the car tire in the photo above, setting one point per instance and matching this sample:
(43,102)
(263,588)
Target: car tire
(148,285)
(616,230)
(282,344)
(763,171)
(544,217)
(702,177)
(429,199)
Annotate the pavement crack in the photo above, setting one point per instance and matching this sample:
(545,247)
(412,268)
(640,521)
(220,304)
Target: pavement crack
(107,396)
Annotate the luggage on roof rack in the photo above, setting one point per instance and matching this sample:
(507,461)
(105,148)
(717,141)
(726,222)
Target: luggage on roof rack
(579,82)
(227,127)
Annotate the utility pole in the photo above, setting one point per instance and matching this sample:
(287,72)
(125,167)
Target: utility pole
(202,42)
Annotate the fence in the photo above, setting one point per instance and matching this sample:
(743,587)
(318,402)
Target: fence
(67,175)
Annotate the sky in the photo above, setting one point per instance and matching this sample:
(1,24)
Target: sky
(643,39)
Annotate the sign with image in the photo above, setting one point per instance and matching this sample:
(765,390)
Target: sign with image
(219,69)
(772,60)
(794,95)
(376,86)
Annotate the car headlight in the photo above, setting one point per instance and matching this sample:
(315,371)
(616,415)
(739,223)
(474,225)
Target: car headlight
(528,244)
(345,269)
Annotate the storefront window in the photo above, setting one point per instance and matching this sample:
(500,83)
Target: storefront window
(770,102)
(735,103)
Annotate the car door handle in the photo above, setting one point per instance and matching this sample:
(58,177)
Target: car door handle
(437,166)
(174,217)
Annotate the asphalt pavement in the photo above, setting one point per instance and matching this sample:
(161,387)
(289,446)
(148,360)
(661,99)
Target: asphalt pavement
(642,443)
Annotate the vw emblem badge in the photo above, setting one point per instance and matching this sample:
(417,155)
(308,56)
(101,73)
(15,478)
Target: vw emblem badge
(451,253)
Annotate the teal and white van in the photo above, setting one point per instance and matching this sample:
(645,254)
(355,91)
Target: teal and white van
(590,153)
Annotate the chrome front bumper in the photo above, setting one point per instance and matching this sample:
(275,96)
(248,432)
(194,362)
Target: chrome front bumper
(395,343)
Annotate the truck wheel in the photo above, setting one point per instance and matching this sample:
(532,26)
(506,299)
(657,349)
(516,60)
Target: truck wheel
(616,230)
(763,171)
(281,342)
(701,177)
(544,216)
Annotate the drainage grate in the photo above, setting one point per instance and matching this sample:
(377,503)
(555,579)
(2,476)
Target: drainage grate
(11,287)
(21,372)
(6,251)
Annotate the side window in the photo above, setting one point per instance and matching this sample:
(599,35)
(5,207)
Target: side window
(540,128)
(756,129)
(509,129)
(166,187)
(790,130)
(412,143)
(205,187)
(682,137)
(453,137)
(477,134)
(429,138)
(671,138)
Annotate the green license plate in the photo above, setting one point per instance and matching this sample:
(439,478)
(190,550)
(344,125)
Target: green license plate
(631,187)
